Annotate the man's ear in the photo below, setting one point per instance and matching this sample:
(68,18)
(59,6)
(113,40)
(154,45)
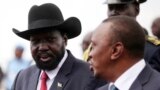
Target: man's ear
(117,50)
(65,39)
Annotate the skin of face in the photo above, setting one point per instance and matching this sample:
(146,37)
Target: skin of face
(47,49)
(101,53)
(123,9)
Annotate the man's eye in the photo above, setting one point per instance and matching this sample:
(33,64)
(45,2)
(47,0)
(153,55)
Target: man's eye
(51,39)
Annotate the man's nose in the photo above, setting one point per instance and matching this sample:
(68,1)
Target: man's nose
(43,45)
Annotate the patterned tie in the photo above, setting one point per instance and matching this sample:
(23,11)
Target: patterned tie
(44,78)
(113,87)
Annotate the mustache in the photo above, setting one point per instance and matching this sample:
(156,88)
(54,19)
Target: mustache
(49,53)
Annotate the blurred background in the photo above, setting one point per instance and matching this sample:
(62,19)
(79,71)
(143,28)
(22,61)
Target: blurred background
(14,14)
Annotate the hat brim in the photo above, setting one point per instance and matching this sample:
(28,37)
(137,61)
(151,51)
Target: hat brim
(71,26)
(116,2)
(124,2)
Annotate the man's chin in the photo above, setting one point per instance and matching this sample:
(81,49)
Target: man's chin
(44,67)
(97,76)
(47,65)
(92,70)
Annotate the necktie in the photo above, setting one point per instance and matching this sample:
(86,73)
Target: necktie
(44,78)
(113,87)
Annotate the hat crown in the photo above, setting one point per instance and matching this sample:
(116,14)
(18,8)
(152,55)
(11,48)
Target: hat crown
(44,16)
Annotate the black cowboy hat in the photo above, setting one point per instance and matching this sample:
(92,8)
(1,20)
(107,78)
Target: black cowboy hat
(123,1)
(48,17)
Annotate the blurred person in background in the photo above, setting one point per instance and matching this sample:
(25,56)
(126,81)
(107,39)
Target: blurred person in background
(1,78)
(86,41)
(153,42)
(86,45)
(15,65)
(154,60)
(155,28)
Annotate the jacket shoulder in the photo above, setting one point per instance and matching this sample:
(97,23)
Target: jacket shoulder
(149,80)
(26,78)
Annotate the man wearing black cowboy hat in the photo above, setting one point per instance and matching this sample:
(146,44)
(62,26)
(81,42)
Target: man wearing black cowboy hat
(56,68)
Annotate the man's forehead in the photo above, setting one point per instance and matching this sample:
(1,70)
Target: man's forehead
(102,28)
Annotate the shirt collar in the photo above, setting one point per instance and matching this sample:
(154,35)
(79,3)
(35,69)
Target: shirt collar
(52,74)
(125,81)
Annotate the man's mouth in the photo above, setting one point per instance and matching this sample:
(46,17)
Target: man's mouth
(45,57)
(91,68)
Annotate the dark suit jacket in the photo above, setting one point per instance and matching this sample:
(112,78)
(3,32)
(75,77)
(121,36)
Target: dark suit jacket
(150,48)
(73,75)
(152,55)
(154,60)
(148,79)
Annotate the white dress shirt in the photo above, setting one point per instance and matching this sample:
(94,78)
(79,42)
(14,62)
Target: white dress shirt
(125,81)
(52,74)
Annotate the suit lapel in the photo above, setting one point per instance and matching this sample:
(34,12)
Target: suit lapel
(142,79)
(136,86)
(59,82)
(34,80)
(62,76)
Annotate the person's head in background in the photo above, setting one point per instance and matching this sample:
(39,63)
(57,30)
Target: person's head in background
(124,7)
(19,51)
(156,27)
(86,41)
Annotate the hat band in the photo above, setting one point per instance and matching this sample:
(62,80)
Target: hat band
(44,23)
